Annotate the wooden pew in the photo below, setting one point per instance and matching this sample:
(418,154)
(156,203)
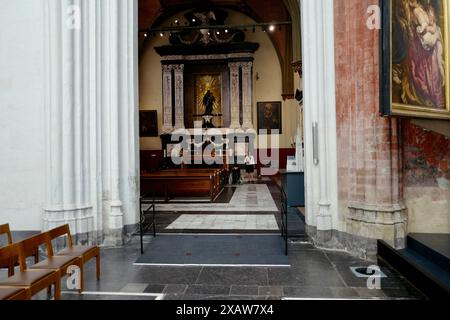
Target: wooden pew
(184,182)
(32,281)
(218,176)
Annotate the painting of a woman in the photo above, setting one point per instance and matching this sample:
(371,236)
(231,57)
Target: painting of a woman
(418,57)
(426,54)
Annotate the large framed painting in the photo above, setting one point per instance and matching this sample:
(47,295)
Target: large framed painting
(415,68)
(148,123)
(269,117)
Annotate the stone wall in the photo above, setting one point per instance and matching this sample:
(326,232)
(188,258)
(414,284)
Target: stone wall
(426,179)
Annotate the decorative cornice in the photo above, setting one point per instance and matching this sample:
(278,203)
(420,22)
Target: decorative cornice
(178,67)
(230,48)
(182,58)
(167,67)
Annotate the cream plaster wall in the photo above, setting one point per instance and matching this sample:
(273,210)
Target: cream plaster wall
(428,209)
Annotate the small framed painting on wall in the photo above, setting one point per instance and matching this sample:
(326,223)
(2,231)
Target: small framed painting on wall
(269,117)
(148,123)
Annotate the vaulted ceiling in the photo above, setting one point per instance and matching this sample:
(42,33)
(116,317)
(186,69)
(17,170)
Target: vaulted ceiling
(152,13)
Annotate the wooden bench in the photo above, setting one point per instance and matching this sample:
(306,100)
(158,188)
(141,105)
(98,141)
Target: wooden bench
(184,182)
(218,176)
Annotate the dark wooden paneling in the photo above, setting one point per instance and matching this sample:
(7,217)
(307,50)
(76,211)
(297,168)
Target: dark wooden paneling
(150,160)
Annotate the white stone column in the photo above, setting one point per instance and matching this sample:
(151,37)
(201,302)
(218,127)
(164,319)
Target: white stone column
(234,94)
(320,108)
(167,98)
(247,77)
(91,117)
(179,96)
(114,92)
(66,119)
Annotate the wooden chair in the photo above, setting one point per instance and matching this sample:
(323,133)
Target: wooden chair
(4,230)
(11,293)
(86,253)
(32,281)
(56,263)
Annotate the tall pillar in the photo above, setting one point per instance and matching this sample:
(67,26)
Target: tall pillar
(167,98)
(179,96)
(234,93)
(91,118)
(66,120)
(114,92)
(247,72)
(320,113)
(369,157)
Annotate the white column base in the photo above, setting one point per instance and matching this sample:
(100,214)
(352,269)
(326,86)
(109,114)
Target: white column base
(80,220)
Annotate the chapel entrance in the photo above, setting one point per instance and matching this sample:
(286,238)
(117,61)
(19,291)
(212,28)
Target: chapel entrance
(218,121)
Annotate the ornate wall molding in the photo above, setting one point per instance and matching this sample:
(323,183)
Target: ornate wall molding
(167,98)
(179,96)
(234,95)
(247,94)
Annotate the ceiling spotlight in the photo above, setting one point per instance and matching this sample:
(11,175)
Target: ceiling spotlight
(177,22)
(145,35)
(271,28)
(161,34)
(226,30)
(218,32)
(193,20)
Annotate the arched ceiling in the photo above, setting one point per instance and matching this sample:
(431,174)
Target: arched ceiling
(152,13)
